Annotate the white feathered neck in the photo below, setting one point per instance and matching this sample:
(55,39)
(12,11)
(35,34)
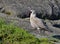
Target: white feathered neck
(33,14)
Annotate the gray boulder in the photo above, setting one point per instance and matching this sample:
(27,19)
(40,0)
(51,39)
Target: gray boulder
(49,9)
(14,10)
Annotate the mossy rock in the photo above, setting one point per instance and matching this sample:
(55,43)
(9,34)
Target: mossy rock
(9,12)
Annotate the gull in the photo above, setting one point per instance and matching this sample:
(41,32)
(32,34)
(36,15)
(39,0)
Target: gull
(38,23)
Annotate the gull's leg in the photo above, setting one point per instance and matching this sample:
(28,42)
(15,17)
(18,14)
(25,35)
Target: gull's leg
(43,32)
(38,29)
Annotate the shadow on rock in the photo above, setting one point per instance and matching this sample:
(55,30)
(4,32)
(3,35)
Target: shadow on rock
(56,36)
(57,25)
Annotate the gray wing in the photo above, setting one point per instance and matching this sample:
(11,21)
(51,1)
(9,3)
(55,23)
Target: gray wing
(41,24)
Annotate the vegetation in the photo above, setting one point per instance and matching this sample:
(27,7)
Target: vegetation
(10,34)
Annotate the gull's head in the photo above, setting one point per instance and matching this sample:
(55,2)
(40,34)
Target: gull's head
(33,14)
(33,11)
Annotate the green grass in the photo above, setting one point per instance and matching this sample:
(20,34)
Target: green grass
(10,34)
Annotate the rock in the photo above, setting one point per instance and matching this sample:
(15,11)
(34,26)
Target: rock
(57,36)
(55,30)
(49,9)
(14,10)
(25,23)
